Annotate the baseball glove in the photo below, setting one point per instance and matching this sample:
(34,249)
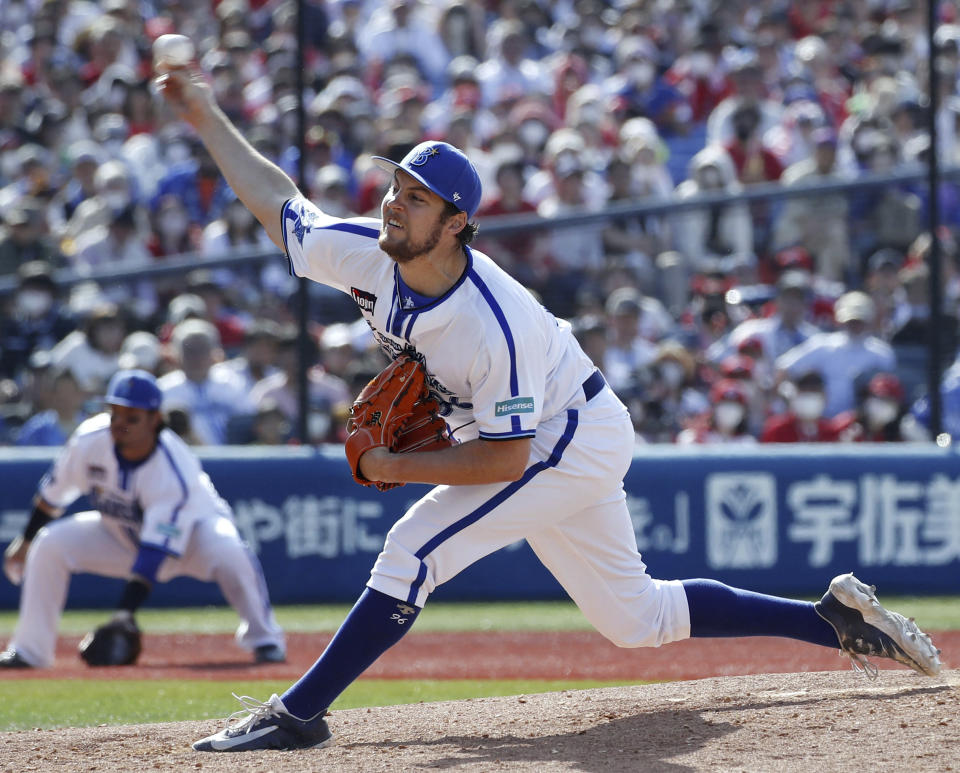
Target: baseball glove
(395,411)
(116,643)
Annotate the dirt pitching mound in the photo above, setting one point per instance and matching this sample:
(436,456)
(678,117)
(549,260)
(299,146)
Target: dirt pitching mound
(774,722)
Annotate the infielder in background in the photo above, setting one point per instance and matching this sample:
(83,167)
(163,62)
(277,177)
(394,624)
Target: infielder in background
(157,516)
(544,443)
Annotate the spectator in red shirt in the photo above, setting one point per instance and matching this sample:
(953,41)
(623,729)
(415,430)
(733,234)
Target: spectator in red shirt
(754,162)
(881,416)
(726,422)
(803,421)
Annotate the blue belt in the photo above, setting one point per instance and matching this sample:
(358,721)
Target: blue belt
(593,385)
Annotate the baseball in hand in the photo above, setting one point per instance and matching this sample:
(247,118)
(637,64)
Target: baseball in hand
(172,51)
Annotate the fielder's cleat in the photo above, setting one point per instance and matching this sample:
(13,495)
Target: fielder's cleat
(866,628)
(12,659)
(269,653)
(268,726)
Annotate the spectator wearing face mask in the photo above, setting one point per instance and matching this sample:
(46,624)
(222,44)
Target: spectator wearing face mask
(881,415)
(35,319)
(803,422)
(643,90)
(173,233)
(743,368)
(115,192)
(670,401)
(843,357)
(726,421)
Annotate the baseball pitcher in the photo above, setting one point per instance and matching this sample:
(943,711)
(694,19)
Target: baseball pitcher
(541,442)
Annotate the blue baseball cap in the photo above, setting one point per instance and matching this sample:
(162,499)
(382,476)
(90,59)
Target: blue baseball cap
(134,389)
(445,170)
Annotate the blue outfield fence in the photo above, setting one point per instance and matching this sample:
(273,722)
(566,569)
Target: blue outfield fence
(779,519)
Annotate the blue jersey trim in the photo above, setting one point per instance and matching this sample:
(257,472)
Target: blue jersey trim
(395,323)
(495,501)
(508,336)
(283,235)
(183,487)
(351,228)
(507,435)
(436,301)
(410,320)
(148,560)
(393,310)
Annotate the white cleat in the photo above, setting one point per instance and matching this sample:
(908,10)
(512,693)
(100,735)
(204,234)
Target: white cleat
(864,627)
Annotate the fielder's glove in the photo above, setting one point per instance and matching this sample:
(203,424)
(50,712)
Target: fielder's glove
(395,411)
(116,643)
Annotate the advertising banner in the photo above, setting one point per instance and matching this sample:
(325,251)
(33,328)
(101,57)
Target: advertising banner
(778,519)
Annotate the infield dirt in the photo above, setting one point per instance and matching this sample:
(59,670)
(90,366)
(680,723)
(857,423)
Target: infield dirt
(485,655)
(816,722)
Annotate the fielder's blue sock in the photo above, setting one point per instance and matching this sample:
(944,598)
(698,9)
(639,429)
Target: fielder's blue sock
(719,610)
(374,625)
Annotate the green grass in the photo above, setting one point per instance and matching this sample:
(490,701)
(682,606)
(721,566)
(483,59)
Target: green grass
(442,616)
(46,704)
(935,613)
(49,703)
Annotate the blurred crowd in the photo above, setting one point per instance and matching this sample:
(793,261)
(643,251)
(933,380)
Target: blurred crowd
(804,319)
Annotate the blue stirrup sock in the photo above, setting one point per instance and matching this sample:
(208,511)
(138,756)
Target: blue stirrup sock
(374,625)
(719,610)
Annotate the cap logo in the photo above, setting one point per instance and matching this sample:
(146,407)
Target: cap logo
(456,196)
(424,155)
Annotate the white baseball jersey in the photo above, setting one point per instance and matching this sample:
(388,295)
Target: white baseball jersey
(490,381)
(502,367)
(158,500)
(166,502)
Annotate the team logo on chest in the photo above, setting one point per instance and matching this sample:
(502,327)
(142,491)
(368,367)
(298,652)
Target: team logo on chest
(366,301)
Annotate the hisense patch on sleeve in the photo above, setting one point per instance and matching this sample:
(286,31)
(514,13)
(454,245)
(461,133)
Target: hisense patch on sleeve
(513,405)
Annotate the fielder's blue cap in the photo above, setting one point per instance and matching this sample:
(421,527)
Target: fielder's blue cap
(444,170)
(134,389)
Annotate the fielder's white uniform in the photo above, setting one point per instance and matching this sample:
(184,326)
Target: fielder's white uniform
(166,502)
(502,367)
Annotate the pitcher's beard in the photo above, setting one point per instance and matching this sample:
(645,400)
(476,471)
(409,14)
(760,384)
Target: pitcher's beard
(407,250)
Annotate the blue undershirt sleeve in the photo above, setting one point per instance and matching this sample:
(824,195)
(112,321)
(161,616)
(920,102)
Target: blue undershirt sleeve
(148,561)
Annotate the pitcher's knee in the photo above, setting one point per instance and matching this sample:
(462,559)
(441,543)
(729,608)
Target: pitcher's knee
(633,637)
(658,615)
(399,573)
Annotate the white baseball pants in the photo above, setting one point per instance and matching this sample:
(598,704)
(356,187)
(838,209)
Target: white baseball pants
(570,506)
(90,543)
